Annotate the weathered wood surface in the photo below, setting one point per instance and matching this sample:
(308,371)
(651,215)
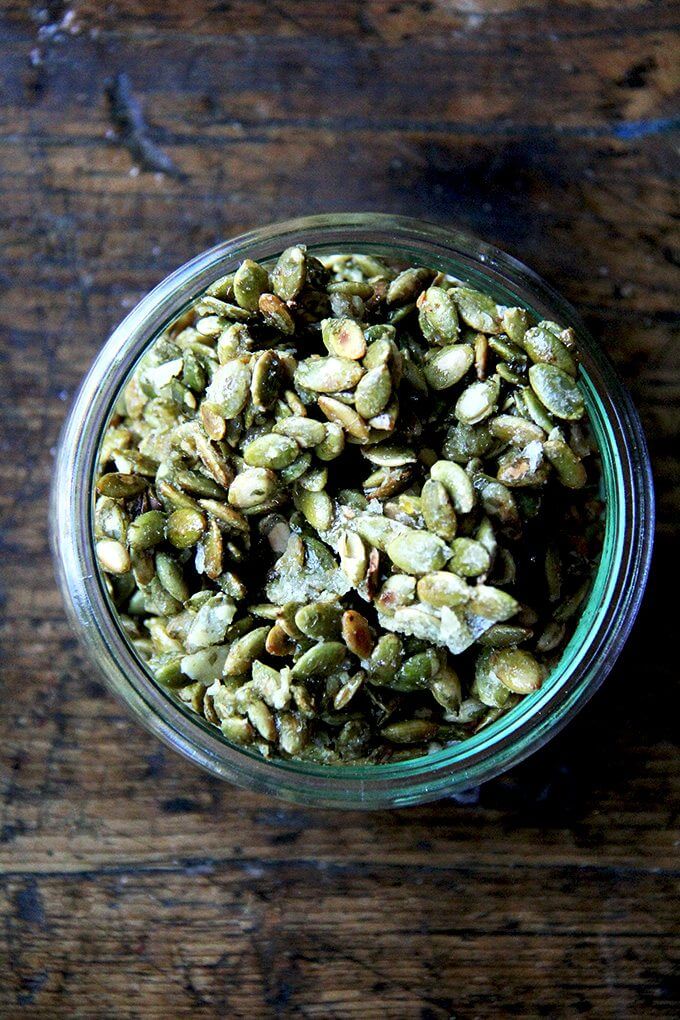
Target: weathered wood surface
(132,885)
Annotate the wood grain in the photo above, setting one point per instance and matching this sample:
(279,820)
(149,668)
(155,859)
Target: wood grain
(132,885)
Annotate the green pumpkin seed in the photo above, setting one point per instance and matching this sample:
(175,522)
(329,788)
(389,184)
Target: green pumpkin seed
(511,429)
(229,389)
(557,391)
(305,431)
(297,470)
(438,319)
(317,508)
(446,689)
(315,480)
(385,660)
(470,558)
(334,443)
(112,555)
(410,731)
(486,685)
(443,589)
(382,351)
(517,670)
(515,323)
(275,314)
(418,552)
(568,466)
(373,391)
(456,483)
(352,423)
(447,366)
(438,512)
(267,377)
(319,620)
(244,651)
(289,274)
(328,375)
(118,485)
(185,527)
(147,530)
(492,603)
(171,576)
(416,672)
(407,285)
(320,660)
(250,281)
(504,635)
(543,346)
(272,451)
(478,401)
(476,309)
(252,487)
(464,442)
(344,338)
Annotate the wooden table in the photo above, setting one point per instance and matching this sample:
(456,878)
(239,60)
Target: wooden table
(133,885)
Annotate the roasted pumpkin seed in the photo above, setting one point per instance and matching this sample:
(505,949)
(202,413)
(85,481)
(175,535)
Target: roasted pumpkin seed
(336,604)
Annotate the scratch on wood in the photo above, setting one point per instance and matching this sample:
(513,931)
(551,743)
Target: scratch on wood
(133,131)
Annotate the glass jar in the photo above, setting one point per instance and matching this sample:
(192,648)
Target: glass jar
(604,623)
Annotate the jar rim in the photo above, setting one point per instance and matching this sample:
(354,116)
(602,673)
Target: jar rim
(605,620)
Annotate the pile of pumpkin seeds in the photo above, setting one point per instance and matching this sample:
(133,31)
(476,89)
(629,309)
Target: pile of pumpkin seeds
(348,511)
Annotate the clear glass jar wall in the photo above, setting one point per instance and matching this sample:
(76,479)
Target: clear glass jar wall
(605,620)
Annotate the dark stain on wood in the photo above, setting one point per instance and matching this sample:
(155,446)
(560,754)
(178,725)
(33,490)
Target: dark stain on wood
(130,883)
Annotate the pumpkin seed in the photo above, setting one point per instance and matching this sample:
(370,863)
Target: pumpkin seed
(543,346)
(328,375)
(443,589)
(317,508)
(438,512)
(289,274)
(470,558)
(447,366)
(438,319)
(476,309)
(344,338)
(334,443)
(185,528)
(557,391)
(229,389)
(568,466)
(320,660)
(478,401)
(271,451)
(275,314)
(147,530)
(319,620)
(457,484)
(118,485)
(356,633)
(348,419)
(113,557)
(252,487)
(250,282)
(305,431)
(407,285)
(373,391)
(410,731)
(418,552)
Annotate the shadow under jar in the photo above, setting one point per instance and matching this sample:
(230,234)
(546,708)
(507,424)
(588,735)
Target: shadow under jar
(605,618)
